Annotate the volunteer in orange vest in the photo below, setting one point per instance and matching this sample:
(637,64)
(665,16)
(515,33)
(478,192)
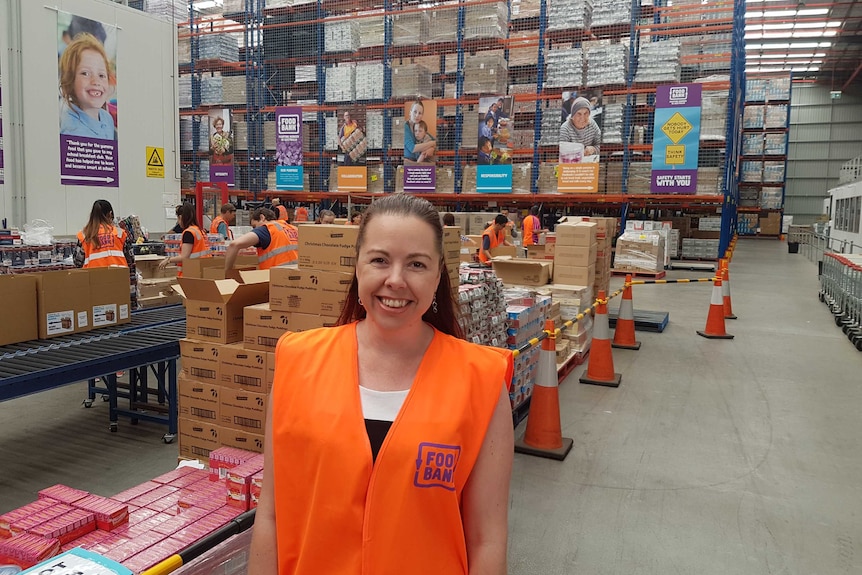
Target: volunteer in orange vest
(399,458)
(101,244)
(301,214)
(194,240)
(276,241)
(280,211)
(493,236)
(531,226)
(355,218)
(221,223)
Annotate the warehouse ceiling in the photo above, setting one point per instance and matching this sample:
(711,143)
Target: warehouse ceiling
(821,41)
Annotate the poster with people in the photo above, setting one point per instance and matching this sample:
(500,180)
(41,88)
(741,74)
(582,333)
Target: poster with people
(221,146)
(288,148)
(494,155)
(420,145)
(580,142)
(87,79)
(352,147)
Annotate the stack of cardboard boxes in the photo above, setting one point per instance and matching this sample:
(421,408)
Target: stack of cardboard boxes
(575,251)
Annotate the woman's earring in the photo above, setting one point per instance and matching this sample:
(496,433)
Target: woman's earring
(434,304)
(359,300)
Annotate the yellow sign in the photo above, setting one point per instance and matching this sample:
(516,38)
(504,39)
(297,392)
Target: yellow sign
(674,155)
(155,162)
(676,128)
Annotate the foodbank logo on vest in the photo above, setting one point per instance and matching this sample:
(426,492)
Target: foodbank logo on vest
(435,465)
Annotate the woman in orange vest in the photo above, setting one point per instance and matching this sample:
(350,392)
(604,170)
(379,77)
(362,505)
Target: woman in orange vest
(399,459)
(194,241)
(221,223)
(492,237)
(101,244)
(276,241)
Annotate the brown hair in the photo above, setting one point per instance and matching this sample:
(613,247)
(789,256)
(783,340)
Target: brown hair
(406,205)
(72,57)
(227,208)
(187,216)
(265,212)
(102,214)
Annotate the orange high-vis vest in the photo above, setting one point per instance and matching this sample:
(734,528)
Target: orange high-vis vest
(218,220)
(497,239)
(280,250)
(200,248)
(337,512)
(530,227)
(110,251)
(281,212)
(301,214)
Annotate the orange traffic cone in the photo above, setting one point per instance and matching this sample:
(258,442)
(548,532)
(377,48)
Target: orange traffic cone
(624,334)
(725,291)
(544,437)
(715,320)
(600,369)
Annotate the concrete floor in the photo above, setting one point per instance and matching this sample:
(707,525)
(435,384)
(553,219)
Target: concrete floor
(712,457)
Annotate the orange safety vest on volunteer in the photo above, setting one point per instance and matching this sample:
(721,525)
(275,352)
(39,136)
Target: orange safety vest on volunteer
(336,511)
(200,247)
(217,221)
(282,246)
(110,251)
(497,239)
(301,214)
(529,227)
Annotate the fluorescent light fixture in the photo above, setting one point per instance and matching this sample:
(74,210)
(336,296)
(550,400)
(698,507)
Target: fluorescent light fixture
(786,13)
(791,46)
(794,34)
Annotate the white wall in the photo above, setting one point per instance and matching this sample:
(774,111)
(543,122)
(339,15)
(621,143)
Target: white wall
(146,108)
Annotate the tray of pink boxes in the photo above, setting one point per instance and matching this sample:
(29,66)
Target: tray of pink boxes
(139,527)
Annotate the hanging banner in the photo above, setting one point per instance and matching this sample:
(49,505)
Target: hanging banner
(221,147)
(580,140)
(494,149)
(420,146)
(1,137)
(676,143)
(87,53)
(288,148)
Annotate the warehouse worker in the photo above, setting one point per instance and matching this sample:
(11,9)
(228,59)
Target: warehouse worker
(300,214)
(280,211)
(326,217)
(221,224)
(531,226)
(101,244)
(493,236)
(275,241)
(346,488)
(194,241)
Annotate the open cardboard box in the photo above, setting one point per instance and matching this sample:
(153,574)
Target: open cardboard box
(523,271)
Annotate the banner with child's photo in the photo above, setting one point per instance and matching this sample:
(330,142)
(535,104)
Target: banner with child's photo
(495,149)
(420,146)
(87,78)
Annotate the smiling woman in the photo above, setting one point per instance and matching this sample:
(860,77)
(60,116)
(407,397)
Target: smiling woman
(407,421)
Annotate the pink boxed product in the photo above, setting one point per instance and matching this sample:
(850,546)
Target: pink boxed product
(145,526)
(167,503)
(26,550)
(225,458)
(190,478)
(256,487)
(174,475)
(87,540)
(63,494)
(133,546)
(109,514)
(239,483)
(67,527)
(35,519)
(139,515)
(155,554)
(24,511)
(112,540)
(136,491)
(153,495)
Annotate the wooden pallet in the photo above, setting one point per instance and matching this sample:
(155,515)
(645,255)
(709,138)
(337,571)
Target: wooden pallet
(639,274)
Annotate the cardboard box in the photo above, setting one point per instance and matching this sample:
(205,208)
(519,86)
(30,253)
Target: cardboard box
(568,256)
(241,439)
(148,267)
(270,369)
(198,400)
(155,287)
(197,438)
(244,410)
(575,275)
(20,318)
(213,268)
(242,369)
(308,291)
(577,234)
(328,247)
(262,327)
(63,302)
(109,296)
(214,308)
(524,271)
(200,360)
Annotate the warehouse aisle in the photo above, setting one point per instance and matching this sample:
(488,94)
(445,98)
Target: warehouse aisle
(712,457)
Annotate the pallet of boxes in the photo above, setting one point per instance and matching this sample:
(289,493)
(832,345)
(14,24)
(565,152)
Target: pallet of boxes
(155,285)
(642,248)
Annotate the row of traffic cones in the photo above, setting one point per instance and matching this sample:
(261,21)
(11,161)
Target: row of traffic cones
(543,436)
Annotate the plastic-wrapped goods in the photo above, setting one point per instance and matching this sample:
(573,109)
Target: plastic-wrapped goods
(470,130)
(184,87)
(606,64)
(184,50)
(612,126)
(286,3)
(717,50)
(341,83)
(778,88)
(752,117)
(776,116)
(411,80)
(222,47)
(174,11)
(565,68)
(369,81)
(774,144)
(233,6)
(410,28)
(485,74)
(748,197)
(331,127)
(341,35)
(233,90)
(443,24)
(610,12)
(305,73)
(770,198)
(550,127)
(374,129)
(372,28)
(269,135)
(709,181)
(755,90)
(204,170)
(773,172)
(525,9)
(659,61)
(752,144)
(522,175)
(211,90)
(240,135)
(485,20)
(397,133)
(567,15)
(187,135)
(713,115)
(751,171)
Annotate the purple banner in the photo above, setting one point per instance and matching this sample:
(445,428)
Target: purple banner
(88,162)
(674,181)
(678,96)
(421,179)
(222,173)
